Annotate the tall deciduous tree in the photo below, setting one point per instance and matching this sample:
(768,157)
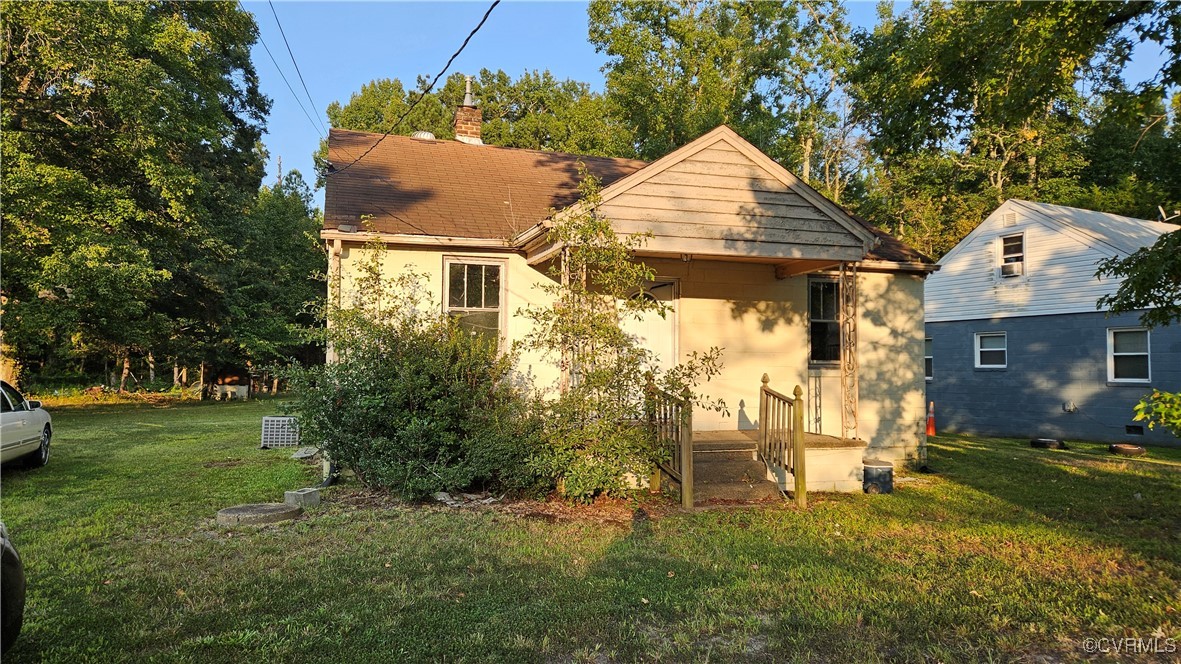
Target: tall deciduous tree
(967,104)
(676,70)
(130,134)
(277,280)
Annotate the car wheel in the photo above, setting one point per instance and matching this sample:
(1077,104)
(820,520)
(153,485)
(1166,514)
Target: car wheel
(12,596)
(41,456)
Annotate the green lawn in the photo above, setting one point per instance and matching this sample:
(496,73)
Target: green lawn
(1008,553)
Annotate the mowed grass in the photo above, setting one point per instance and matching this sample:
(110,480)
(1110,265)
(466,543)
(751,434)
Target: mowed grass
(1008,553)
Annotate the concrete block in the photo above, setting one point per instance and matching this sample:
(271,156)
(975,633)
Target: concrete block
(303,497)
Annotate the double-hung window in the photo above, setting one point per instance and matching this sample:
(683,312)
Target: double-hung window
(1127,356)
(1013,255)
(824,325)
(992,350)
(474,295)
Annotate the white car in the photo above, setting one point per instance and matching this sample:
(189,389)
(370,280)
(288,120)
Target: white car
(25,429)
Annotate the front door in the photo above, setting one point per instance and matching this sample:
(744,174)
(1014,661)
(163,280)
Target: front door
(655,332)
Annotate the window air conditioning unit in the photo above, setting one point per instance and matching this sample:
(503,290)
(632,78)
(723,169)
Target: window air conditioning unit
(1012,269)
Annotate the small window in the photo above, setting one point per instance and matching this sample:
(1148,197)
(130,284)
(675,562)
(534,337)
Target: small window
(474,296)
(928,360)
(824,326)
(992,350)
(1013,255)
(1127,356)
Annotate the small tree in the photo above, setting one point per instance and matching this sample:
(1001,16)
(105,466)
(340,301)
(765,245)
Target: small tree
(595,442)
(412,402)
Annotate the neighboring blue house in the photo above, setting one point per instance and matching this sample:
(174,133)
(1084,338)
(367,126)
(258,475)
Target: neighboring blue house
(1015,344)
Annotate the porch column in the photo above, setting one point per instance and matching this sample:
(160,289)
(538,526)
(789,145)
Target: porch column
(849,371)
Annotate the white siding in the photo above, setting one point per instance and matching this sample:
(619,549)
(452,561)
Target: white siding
(1060,264)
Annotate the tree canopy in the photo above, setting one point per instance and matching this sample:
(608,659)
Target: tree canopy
(131,166)
(967,104)
(676,70)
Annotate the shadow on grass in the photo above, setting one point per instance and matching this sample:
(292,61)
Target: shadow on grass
(1112,500)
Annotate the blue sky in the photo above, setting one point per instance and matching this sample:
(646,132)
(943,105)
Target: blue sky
(342,45)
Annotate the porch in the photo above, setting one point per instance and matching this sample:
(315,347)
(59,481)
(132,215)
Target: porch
(833,464)
(753,465)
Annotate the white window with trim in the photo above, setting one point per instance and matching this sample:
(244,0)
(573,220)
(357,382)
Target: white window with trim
(928,359)
(824,325)
(475,293)
(1012,255)
(1128,356)
(992,350)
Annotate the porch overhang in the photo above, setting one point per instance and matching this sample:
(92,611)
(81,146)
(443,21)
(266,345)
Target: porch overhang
(788,260)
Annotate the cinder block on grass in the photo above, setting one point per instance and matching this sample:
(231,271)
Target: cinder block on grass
(302,497)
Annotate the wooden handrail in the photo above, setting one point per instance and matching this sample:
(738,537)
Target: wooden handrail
(781,434)
(670,419)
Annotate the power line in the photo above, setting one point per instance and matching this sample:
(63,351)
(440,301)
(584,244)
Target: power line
(297,71)
(284,77)
(424,93)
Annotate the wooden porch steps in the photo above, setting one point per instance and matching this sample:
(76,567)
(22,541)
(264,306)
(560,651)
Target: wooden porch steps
(726,468)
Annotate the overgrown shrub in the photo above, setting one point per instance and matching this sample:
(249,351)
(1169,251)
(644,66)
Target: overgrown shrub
(412,402)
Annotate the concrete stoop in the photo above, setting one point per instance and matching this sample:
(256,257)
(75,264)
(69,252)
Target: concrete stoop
(725,468)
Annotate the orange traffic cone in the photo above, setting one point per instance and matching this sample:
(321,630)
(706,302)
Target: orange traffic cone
(931,419)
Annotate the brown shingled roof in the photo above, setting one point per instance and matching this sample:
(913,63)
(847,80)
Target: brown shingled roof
(448,188)
(452,189)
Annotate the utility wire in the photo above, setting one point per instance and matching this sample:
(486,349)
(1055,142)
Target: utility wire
(284,76)
(424,93)
(297,71)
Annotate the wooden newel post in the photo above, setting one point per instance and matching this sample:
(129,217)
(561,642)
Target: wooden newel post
(650,422)
(797,448)
(686,445)
(763,424)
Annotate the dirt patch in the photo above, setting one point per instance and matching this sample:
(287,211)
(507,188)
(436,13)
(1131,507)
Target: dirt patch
(356,497)
(228,463)
(606,511)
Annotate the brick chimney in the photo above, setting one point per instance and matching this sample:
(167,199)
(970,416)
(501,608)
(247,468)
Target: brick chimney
(468,118)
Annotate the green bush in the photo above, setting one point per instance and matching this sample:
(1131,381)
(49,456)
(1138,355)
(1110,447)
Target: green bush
(1161,408)
(415,404)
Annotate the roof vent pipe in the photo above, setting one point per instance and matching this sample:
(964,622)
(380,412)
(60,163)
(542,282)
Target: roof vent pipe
(467,95)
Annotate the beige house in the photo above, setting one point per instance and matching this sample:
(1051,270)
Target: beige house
(749,257)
